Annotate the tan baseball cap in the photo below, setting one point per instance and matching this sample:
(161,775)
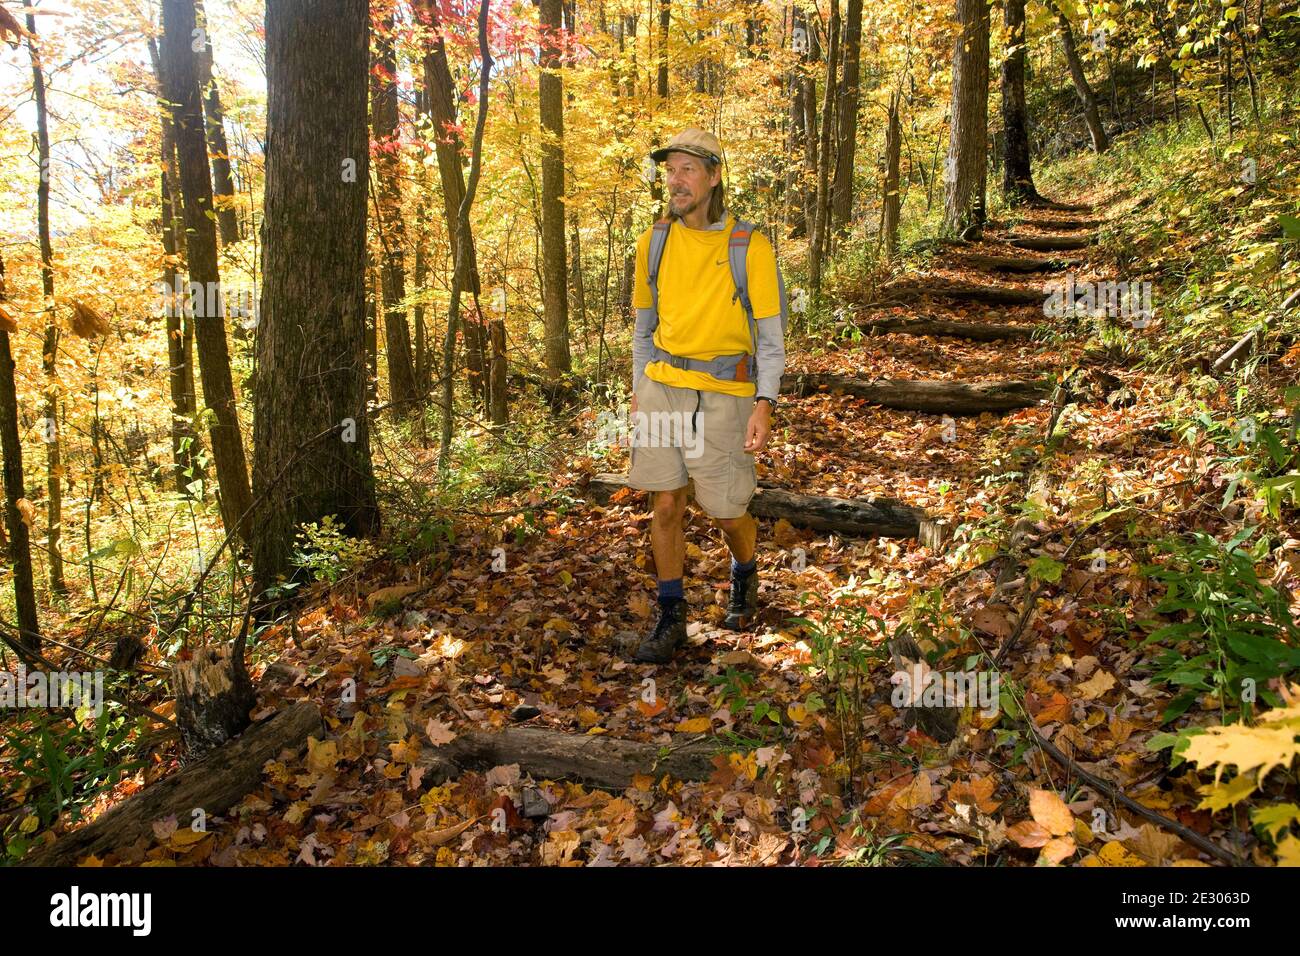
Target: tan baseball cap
(697,142)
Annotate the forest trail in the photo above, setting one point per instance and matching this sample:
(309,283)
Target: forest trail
(504,679)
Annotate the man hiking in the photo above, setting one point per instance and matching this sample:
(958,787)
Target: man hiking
(702,361)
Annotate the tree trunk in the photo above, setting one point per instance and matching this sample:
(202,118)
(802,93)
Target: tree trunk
(661,92)
(577,281)
(391,228)
(796,195)
(498,372)
(311,343)
(226,440)
(447,146)
(847,116)
(11,448)
(1017,174)
(179,323)
(891,205)
(966,168)
(422,377)
(1081,87)
(372,330)
(811,137)
(555,300)
(222,180)
(821,213)
(50,346)
(461,276)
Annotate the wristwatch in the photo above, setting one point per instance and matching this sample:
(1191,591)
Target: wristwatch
(770,401)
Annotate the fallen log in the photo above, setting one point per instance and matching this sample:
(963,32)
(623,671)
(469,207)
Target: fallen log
(1066,223)
(1061,206)
(984,295)
(856,517)
(1018,264)
(604,762)
(214,785)
(1245,346)
(955,398)
(928,325)
(1052,243)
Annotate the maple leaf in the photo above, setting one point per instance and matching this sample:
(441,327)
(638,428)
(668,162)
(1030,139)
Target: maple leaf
(438,732)
(1288,852)
(919,793)
(1276,818)
(1097,685)
(322,756)
(1270,743)
(1220,796)
(669,818)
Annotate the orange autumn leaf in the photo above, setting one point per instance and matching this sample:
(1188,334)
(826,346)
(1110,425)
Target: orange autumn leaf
(1028,834)
(919,793)
(695,725)
(976,792)
(1050,811)
(651,710)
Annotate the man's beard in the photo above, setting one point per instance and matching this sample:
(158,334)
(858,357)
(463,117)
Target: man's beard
(675,207)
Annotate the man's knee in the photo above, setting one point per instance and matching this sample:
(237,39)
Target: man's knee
(733,525)
(670,506)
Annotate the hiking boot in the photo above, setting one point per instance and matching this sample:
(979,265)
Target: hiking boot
(743,606)
(668,635)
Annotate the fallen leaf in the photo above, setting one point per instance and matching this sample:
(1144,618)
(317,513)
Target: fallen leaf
(438,732)
(1050,812)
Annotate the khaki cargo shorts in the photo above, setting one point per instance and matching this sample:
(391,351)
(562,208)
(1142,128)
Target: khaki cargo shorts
(669,443)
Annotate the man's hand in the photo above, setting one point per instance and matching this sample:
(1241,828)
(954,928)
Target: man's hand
(760,427)
(633,408)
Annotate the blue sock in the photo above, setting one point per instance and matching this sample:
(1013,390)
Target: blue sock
(749,567)
(671,590)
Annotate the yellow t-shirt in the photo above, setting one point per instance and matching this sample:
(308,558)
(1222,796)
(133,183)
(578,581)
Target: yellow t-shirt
(697,317)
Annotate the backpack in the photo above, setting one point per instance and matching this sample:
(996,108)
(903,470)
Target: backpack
(724,366)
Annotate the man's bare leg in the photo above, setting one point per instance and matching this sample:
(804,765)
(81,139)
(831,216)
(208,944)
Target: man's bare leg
(741,535)
(667,537)
(668,540)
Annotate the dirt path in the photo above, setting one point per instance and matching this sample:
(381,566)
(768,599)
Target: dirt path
(532,625)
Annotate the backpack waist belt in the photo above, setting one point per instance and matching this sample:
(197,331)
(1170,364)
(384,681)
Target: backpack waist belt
(740,367)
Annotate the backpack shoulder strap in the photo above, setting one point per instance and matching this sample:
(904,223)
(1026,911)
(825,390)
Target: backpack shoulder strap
(658,239)
(737,252)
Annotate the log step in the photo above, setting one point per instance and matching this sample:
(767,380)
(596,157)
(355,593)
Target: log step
(1064,223)
(1017,264)
(604,762)
(984,295)
(928,325)
(955,398)
(1062,206)
(854,517)
(1052,243)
